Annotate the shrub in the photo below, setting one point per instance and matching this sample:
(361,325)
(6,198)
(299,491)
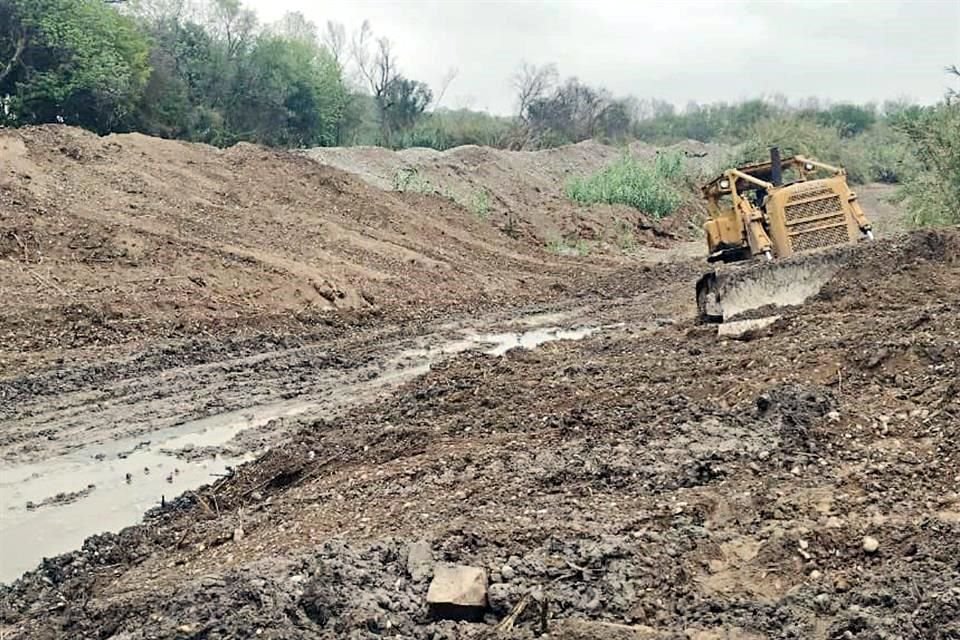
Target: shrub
(793,135)
(445,129)
(884,154)
(932,194)
(569,246)
(650,187)
(796,135)
(478,203)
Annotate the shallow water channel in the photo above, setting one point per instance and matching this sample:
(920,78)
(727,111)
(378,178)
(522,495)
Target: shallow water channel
(52,506)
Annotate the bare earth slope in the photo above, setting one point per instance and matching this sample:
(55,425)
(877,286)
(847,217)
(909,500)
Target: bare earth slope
(106,240)
(525,189)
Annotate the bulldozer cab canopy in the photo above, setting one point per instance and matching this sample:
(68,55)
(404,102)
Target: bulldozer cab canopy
(761,171)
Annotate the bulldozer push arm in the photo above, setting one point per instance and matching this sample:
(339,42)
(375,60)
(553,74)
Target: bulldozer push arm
(753,219)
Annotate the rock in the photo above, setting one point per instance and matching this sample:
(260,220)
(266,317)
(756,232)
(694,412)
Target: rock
(507,573)
(841,584)
(458,592)
(815,575)
(499,598)
(419,561)
(238,534)
(822,602)
(870,544)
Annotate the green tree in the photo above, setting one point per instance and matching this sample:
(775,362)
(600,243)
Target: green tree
(191,84)
(404,102)
(290,94)
(76,60)
(223,79)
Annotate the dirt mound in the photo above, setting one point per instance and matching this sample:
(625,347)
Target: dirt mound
(107,240)
(649,482)
(523,191)
(874,270)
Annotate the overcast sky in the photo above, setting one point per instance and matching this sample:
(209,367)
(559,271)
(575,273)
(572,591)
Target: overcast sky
(706,51)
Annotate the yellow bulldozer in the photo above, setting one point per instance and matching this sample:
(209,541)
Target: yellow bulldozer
(776,212)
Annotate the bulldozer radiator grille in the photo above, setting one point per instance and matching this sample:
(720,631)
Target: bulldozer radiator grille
(810,193)
(822,237)
(812,208)
(816,223)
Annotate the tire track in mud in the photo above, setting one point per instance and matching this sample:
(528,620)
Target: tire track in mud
(124,435)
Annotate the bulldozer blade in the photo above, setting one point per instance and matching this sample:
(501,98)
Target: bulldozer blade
(722,295)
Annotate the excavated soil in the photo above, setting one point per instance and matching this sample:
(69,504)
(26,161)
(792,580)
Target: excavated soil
(524,190)
(107,241)
(308,382)
(650,481)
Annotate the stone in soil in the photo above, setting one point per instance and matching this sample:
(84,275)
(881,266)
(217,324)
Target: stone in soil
(458,592)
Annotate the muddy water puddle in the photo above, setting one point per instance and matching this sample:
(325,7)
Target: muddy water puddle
(52,506)
(503,342)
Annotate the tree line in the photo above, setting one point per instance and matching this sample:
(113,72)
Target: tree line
(206,71)
(211,71)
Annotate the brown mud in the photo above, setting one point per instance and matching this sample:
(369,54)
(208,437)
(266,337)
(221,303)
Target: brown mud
(176,342)
(649,481)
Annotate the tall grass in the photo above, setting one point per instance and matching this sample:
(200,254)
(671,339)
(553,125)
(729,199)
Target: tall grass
(651,187)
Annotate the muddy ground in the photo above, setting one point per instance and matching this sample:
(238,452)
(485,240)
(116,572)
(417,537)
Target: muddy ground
(650,481)
(308,458)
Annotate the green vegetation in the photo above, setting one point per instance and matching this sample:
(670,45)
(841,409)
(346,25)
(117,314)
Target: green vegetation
(651,187)
(410,180)
(75,60)
(445,129)
(932,192)
(565,246)
(880,154)
(210,71)
(478,204)
(215,77)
